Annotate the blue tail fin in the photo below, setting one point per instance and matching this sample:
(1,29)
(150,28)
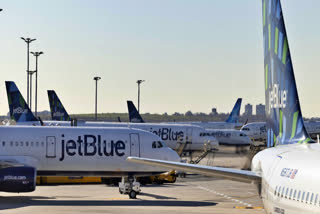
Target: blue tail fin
(19,110)
(134,116)
(235,113)
(58,112)
(284,119)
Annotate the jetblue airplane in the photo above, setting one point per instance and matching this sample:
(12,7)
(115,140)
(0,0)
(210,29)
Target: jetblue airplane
(257,130)
(27,151)
(286,174)
(174,135)
(224,136)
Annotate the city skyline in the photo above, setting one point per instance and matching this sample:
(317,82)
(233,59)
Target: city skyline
(193,55)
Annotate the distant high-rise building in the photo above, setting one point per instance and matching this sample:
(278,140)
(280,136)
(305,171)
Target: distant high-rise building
(214,111)
(248,110)
(260,110)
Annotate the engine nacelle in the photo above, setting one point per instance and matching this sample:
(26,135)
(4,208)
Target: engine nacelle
(18,179)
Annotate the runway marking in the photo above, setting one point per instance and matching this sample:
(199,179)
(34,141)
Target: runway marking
(247,205)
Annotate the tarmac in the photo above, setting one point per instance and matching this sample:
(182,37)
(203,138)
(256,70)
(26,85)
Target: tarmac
(193,194)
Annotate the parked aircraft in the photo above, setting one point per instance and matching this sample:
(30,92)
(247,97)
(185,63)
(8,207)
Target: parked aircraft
(286,174)
(257,130)
(224,136)
(174,135)
(72,151)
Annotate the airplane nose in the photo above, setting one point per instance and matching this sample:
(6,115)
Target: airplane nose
(173,156)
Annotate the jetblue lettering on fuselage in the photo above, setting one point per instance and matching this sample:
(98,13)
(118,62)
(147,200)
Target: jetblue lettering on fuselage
(58,114)
(167,133)
(91,145)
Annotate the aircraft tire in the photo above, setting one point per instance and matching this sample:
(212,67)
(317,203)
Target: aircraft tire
(133,194)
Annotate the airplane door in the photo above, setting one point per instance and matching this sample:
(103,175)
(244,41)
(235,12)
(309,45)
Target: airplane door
(189,135)
(51,147)
(134,145)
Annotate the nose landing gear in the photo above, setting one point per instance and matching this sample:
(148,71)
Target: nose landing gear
(130,186)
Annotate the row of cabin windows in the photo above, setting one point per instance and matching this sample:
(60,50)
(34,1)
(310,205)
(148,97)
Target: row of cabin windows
(203,134)
(297,195)
(21,144)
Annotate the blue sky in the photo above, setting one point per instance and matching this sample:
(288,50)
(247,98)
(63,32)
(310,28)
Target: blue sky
(194,55)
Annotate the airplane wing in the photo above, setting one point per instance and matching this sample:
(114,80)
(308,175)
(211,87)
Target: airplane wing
(219,172)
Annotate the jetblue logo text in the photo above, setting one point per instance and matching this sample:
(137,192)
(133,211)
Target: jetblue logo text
(277,98)
(90,145)
(20,110)
(58,114)
(167,134)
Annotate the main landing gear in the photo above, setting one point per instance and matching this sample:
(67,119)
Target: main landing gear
(130,186)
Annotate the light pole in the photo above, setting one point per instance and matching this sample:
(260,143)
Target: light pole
(36,54)
(30,74)
(28,41)
(96,108)
(139,82)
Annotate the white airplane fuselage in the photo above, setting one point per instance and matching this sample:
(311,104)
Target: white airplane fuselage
(81,151)
(229,137)
(213,125)
(169,133)
(257,130)
(289,179)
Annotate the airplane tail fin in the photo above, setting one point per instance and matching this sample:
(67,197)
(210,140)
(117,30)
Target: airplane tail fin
(235,113)
(283,114)
(58,112)
(134,116)
(19,109)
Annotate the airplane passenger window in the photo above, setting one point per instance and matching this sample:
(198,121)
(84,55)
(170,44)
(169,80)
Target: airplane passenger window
(282,193)
(279,190)
(42,144)
(27,143)
(11,143)
(21,143)
(307,198)
(299,195)
(17,143)
(3,143)
(37,144)
(290,194)
(31,143)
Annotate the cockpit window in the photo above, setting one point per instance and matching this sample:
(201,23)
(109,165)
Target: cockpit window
(154,144)
(246,129)
(158,144)
(203,134)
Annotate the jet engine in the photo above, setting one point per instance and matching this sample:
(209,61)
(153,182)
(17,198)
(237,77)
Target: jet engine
(18,179)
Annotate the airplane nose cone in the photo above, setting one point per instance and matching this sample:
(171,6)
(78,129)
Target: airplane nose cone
(173,156)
